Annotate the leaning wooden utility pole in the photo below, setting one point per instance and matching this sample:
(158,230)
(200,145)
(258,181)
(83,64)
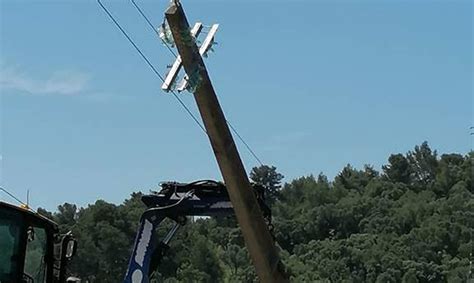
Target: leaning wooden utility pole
(254,229)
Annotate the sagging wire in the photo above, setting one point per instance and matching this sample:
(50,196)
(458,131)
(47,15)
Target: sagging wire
(24,205)
(161,77)
(245,143)
(13,196)
(169,48)
(150,64)
(153,27)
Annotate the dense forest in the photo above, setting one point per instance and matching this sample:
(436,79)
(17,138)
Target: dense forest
(411,222)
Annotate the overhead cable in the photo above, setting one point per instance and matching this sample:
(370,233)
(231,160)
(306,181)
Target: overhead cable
(152,27)
(162,78)
(150,65)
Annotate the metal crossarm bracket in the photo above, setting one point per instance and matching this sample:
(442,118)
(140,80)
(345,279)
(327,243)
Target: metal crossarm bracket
(173,73)
(202,50)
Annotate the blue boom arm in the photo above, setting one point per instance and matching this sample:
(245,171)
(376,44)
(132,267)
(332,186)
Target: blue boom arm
(176,201)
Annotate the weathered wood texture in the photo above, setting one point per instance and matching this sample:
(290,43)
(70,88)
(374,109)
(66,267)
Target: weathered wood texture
(256,234)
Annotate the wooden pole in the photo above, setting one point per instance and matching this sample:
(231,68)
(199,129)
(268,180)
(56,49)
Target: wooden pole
(254,229)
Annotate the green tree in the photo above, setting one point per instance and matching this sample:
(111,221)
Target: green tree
(270,179)
(66,216)
(423,164)
(398,169)
(413,223)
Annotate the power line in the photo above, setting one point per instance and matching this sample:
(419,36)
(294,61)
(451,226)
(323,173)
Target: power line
(161,77)
(174,54)
(13,196)
(152,27)
(243,141)
(150,64)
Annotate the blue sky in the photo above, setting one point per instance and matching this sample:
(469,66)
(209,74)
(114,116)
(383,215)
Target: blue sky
(310,85)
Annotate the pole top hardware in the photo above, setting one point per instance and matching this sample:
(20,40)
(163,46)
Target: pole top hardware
(188,82)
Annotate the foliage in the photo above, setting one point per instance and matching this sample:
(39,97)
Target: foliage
(270,179)
(412,222)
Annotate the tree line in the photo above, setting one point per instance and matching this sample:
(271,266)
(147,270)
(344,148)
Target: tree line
(411,222)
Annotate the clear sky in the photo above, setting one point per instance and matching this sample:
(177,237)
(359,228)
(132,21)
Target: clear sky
(310,85)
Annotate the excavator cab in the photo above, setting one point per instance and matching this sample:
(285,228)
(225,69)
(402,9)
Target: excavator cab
(32,250)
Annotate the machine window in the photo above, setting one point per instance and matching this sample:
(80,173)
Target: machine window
(35,264)
(10,231)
